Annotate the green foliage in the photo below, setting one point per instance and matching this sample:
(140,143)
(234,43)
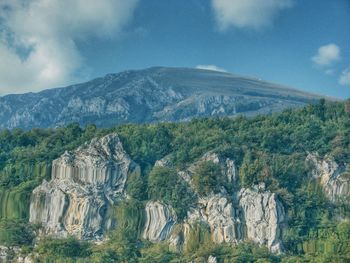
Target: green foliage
(146,143)
(55,249)
(269,149)
(136,186)
(157,253)
(129,217)
(199,240)
(124,239)
(208,178)
(15,232)
(165,185)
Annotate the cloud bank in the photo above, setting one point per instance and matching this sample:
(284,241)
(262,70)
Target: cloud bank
(256,14)
(327,55)
(211,67)
(38,38)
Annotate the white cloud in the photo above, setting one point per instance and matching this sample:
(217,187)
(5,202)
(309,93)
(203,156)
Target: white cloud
(38,40)
(254,14)
(211,67)
(344,78)
(327,55)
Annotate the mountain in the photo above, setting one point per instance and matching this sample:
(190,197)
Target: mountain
(150,95)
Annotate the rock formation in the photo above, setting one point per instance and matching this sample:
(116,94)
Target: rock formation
(83,186)
(259,217)
(246,214)
(223,219)
(86,182)
(263,216)
(334,178)
(159,221)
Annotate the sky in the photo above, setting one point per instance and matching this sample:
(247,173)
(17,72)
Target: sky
(303,44)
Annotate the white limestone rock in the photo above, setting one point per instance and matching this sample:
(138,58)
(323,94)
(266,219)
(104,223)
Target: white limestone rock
(233,216)
(333,177)
(221,216)
(264,218)
(159,222)
(212,259)
(84,184)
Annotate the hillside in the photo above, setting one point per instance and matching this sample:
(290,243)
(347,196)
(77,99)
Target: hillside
(150,95)
(264,189)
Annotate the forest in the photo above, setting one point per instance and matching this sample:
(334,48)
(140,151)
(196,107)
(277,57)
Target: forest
(266,148)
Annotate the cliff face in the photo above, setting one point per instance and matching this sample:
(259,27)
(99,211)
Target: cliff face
(84,184)
(264,217)
(159,222)
(247,214)
(222,217)
(334,178)
(87,182)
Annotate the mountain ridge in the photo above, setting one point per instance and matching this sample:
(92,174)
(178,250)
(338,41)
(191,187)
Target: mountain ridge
(149,95)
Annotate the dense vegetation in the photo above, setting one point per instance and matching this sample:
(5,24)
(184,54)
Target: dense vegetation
(269,149)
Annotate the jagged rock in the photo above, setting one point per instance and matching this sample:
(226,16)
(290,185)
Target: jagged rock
(333,177)
(264,217)
(164,162)
(159,222)
(4,253)
(25,259)
(234,216)
(222,218)
(83,186)
(212,259)
(257,216)
(13,254)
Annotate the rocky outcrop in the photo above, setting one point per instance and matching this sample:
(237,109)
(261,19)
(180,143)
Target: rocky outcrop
(234,214)
(221,216)
(14,254)
(263,216)
(212,259)
(84,184)
(159,222)
(259,217)
(334,178)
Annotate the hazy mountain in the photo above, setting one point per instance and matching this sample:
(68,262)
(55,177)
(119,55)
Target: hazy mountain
(154,94)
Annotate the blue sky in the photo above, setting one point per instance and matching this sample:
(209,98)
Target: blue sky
(299,43)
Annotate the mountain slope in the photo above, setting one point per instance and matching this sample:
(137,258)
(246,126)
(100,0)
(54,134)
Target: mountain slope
(150,95)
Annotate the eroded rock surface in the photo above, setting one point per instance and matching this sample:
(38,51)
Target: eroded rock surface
(334,178)
(84,184)
(263,216)
(159,222)
(232,216)
(219,213)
